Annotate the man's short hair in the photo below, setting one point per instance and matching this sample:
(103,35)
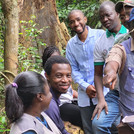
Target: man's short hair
(105,3)
(73,11)
(54,60)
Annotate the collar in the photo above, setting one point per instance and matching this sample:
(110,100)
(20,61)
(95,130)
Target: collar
(132,44)
(122,31)
(88,36)
(54,96)
(44,122)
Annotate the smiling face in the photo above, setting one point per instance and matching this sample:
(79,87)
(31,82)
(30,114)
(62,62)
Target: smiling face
(60,78)
(109,18)
(77,22)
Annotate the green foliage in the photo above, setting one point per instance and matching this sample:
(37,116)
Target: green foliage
(3,122)
(31,31)
(2,28)
(1,55)
(29,58)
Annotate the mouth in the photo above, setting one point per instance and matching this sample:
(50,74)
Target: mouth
(107,25)
(65,87)
(77,29)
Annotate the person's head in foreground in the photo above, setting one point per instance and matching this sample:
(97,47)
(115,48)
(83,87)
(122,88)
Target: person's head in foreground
(124,8)
(29,93)
(58,73)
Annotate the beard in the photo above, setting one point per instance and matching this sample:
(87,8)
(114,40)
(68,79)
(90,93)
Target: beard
(83,29)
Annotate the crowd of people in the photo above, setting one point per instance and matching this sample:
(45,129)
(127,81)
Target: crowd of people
(100,61)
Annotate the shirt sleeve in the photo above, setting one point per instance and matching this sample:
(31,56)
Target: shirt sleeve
(118,54)
(76,75)
(98,57)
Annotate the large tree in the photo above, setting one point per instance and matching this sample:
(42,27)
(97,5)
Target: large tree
(10,11)
(46,16)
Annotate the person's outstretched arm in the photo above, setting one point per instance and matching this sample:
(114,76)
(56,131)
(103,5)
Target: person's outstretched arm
(114,64)
(110,74)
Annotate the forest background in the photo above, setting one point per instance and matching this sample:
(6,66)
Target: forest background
(32,34)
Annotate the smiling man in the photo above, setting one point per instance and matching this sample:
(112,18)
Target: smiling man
(79,52)
(58,74)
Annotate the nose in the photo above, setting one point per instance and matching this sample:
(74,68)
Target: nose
(76,23)
(105,19)
(64,79)
(127,17)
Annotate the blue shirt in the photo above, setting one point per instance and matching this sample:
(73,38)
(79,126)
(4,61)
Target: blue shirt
(80,56)
(29,132)
(54,113)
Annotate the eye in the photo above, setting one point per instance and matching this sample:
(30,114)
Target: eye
(71,22)
(69,75)
(78,19)
(107,15)
(101,17)
(58,75)
(122,17)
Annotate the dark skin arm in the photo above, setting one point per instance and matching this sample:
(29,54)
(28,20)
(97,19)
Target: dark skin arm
(110,71)
(98,77)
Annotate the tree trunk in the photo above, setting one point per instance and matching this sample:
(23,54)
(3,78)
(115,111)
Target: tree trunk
(11,37)
(46,16)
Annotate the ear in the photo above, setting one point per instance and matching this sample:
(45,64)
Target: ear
(47,77)
(69,25)
(118,14)
(40,97)
(85,19)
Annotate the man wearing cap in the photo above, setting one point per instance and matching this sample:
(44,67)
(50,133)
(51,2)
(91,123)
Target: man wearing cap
(121,60)
(124,8)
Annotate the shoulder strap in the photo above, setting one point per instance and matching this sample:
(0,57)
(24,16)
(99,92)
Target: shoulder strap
(51,124)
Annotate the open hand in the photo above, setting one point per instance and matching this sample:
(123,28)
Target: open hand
(99,107)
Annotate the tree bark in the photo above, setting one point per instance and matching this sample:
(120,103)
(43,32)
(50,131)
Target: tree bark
(46,16)
(11,37)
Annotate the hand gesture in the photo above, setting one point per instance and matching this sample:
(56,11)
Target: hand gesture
(109,80)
